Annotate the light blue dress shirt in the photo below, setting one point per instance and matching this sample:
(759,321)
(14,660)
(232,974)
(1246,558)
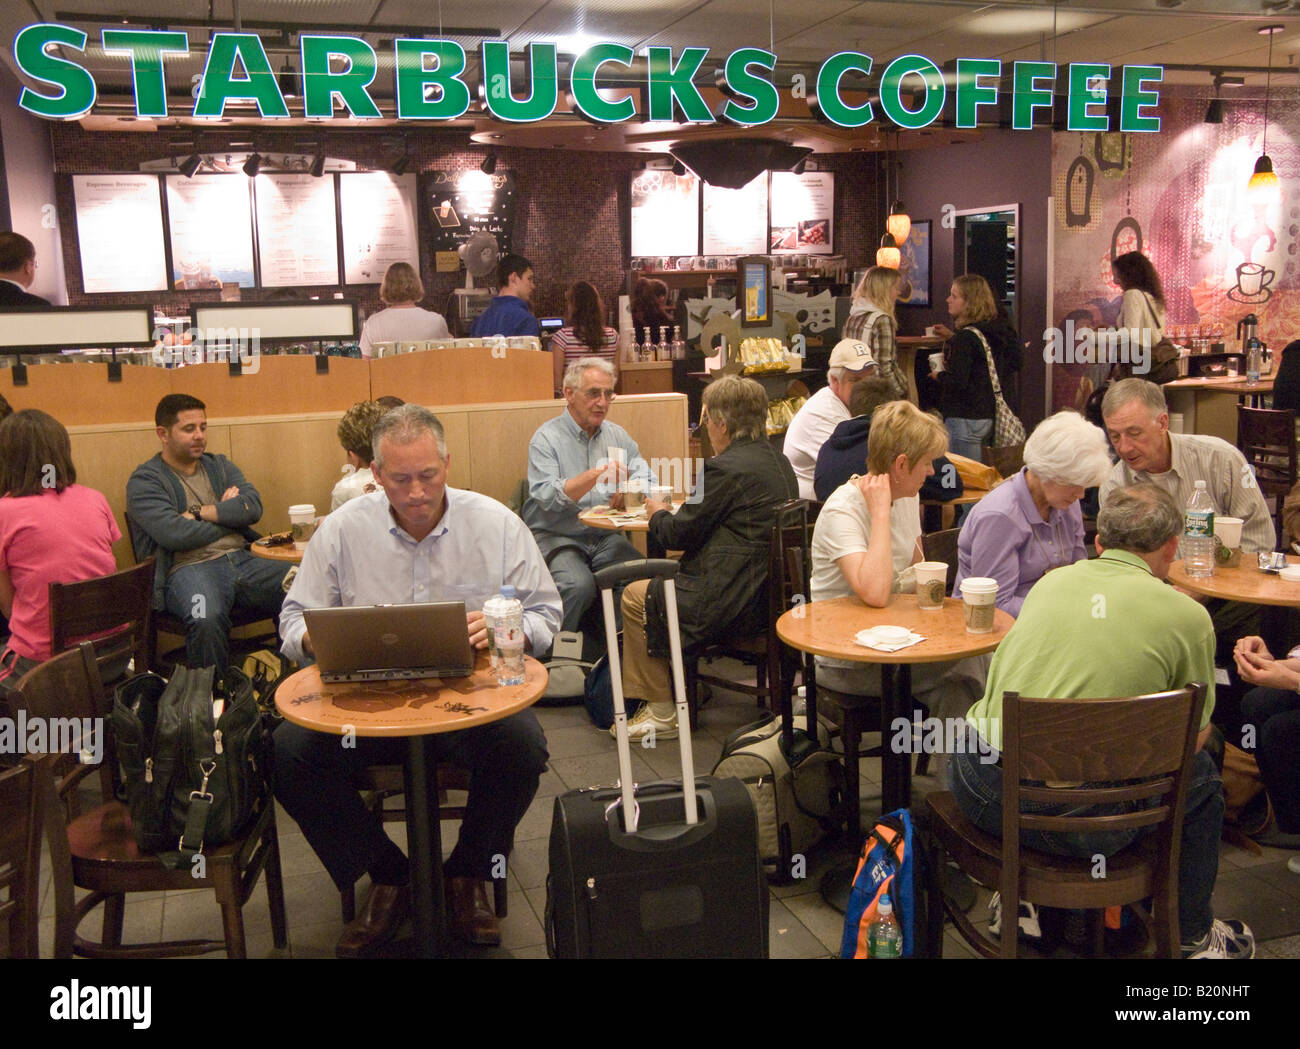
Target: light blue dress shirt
(361,556)
(561,449)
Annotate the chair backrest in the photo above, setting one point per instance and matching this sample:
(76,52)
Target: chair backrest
(1266,438)
(1137,748)
(66,694)
(114,612)
(130,535)
(942,546)
(789,584)
(23,797)
(1007,461)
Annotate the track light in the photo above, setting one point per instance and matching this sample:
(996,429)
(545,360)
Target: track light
(489,165)
(287,78)
(401,164)
(252,164)
(190,165)
(679,169)
(801,167)
(317,168)
(1214,111)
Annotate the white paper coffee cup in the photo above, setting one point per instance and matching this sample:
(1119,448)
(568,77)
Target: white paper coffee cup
(1229,530)
(931,578)
(661,493)
(634,493)
(979,595)
(302,523)
(936,362)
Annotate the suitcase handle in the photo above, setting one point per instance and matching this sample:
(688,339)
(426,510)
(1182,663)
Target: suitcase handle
(630,571)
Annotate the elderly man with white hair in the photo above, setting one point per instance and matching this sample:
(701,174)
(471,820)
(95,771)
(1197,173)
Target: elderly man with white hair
(813,423)
(576,461)
(1032,522)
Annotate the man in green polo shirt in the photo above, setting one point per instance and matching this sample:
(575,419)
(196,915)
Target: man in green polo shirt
(1111,627)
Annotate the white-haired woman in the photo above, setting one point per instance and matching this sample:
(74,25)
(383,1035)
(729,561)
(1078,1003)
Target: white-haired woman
(1032,523)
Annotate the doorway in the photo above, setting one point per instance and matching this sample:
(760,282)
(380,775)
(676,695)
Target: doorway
(986,242)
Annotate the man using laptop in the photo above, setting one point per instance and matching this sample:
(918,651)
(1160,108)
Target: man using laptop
(416,541)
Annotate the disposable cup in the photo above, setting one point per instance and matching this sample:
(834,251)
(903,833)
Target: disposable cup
(936,363)
(634,494)
(661,493)
(931,577)
(979,596)
(302,523)
(1227,535)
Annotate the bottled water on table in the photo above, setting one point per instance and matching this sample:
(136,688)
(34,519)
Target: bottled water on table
(504,616)
(1198,534)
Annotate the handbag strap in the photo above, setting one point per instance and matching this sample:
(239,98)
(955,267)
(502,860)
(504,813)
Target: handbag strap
(988,358)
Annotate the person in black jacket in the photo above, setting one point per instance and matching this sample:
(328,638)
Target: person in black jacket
(845,451)
(17,271)
(1286,382)
(966,391)
(723,536)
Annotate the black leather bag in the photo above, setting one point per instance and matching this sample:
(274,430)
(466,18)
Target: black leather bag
(192,780)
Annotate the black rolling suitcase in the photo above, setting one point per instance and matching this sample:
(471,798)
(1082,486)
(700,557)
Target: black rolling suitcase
(660,870)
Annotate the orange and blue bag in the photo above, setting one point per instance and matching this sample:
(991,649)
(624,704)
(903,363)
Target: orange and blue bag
(886,867)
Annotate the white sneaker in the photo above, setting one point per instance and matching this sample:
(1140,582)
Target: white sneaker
(644,722)
(1027,916)
(1226,939)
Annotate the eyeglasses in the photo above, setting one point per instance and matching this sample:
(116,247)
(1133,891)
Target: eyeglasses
(598,393)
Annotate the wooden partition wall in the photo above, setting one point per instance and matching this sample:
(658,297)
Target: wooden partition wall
(296,458)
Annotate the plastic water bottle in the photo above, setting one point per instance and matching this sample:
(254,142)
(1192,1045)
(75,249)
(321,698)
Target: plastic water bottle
(505,622)
(1254,360)
(1198,534)
(884,937)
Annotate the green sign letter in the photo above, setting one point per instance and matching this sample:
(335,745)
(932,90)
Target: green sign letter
(146,48)
(1131,117)
(826,101)
(412,78)
(541,76)
(582,84)
(1027,95)
(320,85)
(971,94)
(737,82)
(219,85)
(891,91)
(76,86)
(669,84)
(1082,96)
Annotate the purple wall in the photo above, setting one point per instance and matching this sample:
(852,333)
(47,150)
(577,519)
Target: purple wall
(1003,167)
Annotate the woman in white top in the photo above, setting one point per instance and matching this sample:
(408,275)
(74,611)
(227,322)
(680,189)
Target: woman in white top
(403,321)
(1142,309)
(354,434)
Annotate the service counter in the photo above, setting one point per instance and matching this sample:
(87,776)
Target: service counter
(1209,405)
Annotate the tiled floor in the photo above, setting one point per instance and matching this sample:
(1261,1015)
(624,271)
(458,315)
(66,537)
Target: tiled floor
(1258,889)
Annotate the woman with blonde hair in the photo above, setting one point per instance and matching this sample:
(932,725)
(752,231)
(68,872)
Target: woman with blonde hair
(872,320)
(965,386)
(1032,522)
(404,320)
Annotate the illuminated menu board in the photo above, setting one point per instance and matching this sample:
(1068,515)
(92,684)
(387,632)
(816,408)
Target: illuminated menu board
(297,233)
(735,220)
(665,213)
(120,233)
(210,221)
(803,210)
(379,224)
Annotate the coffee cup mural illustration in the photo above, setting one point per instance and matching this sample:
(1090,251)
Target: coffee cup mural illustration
(1253,283)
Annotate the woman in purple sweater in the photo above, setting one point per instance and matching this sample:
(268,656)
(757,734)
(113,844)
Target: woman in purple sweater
(1032,523)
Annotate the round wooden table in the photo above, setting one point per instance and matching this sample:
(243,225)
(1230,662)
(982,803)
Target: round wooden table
(417,709)
(1243,582)
(286,552)
(620,520)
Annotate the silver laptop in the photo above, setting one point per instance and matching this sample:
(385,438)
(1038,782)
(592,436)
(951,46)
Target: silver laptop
(390,642)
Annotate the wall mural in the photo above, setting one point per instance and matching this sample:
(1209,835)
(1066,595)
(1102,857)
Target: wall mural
(1180,197)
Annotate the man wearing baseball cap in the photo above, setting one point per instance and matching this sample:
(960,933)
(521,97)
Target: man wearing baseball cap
(850,361)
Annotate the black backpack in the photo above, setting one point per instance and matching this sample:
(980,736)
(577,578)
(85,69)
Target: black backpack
(190,781)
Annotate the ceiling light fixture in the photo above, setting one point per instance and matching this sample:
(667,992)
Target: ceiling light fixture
(489,165)
(317,168)
(679,169)
(287,78)
(190,165)
(401,164)
(1263,180)
(252,164)
(899,222)
(888,255)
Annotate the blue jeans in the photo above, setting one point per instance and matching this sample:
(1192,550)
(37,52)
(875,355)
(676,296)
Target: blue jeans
(977,789)
(573,565)
(967,436)
(1275,713)
(203,595)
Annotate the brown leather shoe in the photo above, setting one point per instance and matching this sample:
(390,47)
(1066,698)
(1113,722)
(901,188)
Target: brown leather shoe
(469,912)
(384,910)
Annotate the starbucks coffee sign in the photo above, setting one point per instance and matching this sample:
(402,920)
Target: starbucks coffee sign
(432,83)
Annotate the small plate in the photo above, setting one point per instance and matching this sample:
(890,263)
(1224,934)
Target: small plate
(883,635)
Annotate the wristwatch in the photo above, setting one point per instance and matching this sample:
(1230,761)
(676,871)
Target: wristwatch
(194,511)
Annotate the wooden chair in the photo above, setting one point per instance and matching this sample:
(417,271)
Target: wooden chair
(26,798)
(101,849)
(1266,438)
(381,782)
(942,546)
(115,613)
(1140,749)
(1007,461)
(166,623)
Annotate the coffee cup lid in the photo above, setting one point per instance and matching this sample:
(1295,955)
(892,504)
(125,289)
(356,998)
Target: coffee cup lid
(302,508)
(979,584)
